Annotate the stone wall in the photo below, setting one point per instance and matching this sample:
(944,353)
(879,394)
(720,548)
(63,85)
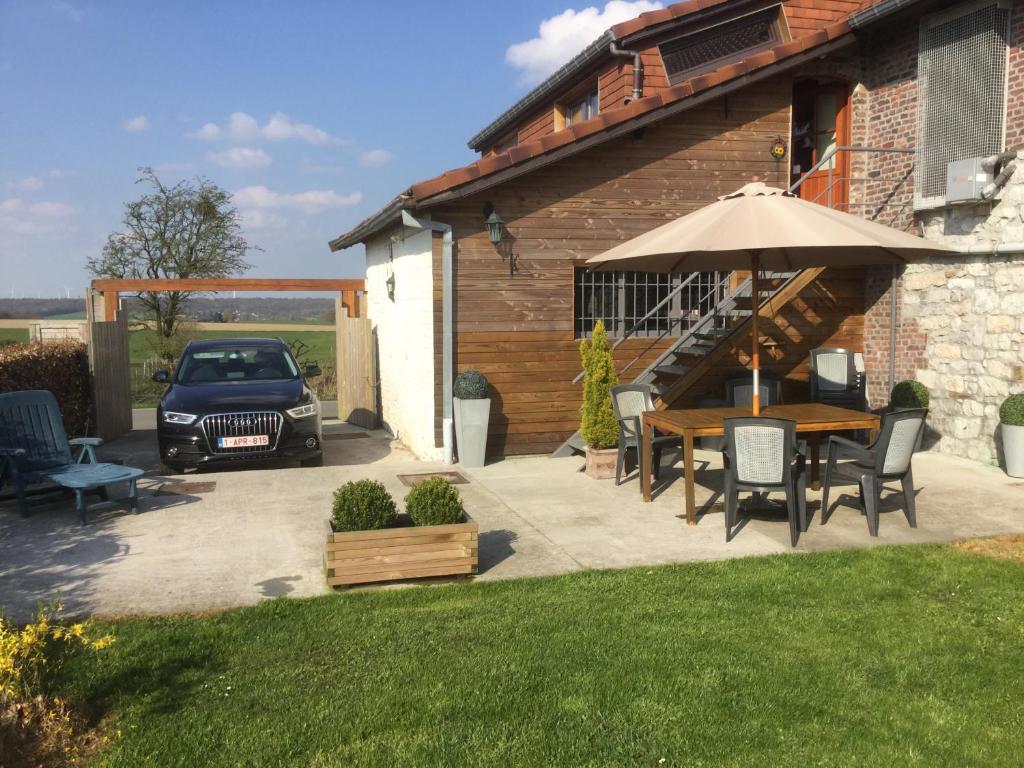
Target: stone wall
(971,309)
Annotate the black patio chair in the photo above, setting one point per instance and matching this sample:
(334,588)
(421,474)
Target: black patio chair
(888,458)
(763,456)
(834,379)
(629,401)
(739,392)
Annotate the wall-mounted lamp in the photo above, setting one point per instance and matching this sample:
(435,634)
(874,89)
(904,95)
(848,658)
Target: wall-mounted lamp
(496,234)
(495,227)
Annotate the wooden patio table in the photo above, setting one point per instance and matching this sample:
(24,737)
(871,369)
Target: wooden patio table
(812,419)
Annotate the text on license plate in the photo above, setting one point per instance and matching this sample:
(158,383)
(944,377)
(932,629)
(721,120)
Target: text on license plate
(243,441)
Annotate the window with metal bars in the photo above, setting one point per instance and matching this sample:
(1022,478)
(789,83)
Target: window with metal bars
(623,300)
(708,49)
(961,91)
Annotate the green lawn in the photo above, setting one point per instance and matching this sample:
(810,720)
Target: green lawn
(321,343)
(882,657)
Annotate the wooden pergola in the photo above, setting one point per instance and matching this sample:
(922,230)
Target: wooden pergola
(111,290)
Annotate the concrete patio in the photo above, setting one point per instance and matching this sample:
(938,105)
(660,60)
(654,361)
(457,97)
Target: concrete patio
(258,532)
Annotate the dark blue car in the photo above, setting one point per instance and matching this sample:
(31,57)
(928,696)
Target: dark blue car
(233,400)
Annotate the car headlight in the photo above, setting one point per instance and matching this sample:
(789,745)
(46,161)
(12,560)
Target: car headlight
(301,411)
(171,417)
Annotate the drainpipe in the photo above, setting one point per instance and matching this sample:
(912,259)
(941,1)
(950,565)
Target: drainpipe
(447,321)
(638,69)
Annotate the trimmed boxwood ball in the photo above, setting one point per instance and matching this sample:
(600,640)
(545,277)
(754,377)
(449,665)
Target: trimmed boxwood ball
(1011,412)
(434,502)
(362,505)
(471,385)
(909,394)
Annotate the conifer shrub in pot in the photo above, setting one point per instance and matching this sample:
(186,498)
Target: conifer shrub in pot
(1011,428)
(598,427)
(908,395)
(472,411)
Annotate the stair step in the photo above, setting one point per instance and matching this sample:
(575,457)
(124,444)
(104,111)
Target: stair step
(671,370)
(713,334)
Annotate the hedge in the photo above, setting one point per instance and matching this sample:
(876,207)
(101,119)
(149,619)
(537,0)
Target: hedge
(61,367)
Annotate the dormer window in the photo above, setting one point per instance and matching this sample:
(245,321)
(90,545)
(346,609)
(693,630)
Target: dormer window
(576,109)
(708,49)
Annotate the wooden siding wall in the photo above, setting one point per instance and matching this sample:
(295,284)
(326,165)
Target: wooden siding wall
(519,330)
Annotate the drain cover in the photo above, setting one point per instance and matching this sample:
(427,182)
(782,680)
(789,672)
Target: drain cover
(344,435)
(182,489)
(454,478)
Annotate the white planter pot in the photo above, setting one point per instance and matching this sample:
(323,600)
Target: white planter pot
(1013,449)
(471,417)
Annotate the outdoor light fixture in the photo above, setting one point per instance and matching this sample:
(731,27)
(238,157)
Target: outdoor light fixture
(495,227)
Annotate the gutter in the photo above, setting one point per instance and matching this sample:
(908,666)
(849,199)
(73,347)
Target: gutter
(554,85)
(877,12)
(1002,249)
(447,323)
(638,68)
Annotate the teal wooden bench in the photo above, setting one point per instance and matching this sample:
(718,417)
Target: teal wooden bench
(34,448)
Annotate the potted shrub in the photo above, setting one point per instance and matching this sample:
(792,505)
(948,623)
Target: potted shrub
(1011,426)
(368,541)
(907,395)
(472,410)
(598,427)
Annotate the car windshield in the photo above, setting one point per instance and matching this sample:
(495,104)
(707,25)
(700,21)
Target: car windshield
(241,363)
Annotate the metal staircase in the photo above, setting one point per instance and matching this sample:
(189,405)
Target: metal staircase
(707,308)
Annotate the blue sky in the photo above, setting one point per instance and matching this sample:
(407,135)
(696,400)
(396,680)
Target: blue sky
(313,113)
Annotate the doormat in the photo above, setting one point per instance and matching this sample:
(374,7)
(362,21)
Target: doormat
(344,435)
(182,489)
(453,478)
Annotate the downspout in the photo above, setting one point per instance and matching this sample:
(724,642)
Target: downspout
(893,306)
(447,322)
(638,68)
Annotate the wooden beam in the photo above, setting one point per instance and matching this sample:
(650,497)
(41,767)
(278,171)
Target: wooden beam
(229,284)
(348,298)
(780,299)
(110,305)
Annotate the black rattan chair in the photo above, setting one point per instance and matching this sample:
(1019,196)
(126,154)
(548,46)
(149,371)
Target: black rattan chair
(888,458)
(763,456)
(629,401)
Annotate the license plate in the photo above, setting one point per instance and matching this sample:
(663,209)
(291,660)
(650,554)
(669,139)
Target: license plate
(243,441)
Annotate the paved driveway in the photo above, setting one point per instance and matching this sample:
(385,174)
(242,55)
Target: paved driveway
(258,533)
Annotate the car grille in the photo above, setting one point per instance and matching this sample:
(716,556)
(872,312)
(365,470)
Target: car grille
(237,424)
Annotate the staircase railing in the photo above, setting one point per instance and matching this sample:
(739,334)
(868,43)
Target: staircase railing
(687,284)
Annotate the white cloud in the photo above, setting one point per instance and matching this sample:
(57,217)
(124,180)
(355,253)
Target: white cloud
(374,158)
(313,201)
(56,173)
(18,217)
(241,157)
(563,36)
(29,184)
(279,127)
(136,124)
(66,9)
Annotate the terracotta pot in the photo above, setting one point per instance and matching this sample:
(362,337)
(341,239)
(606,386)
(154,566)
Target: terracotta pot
(601,462)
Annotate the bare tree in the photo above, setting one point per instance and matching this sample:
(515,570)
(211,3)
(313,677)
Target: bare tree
(189,230)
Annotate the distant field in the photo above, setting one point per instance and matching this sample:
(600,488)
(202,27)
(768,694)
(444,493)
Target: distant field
(13,334)
(320,343)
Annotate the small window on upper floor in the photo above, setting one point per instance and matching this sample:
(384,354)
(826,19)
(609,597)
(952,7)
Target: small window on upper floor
(576,109)
(710,48)
(961,91)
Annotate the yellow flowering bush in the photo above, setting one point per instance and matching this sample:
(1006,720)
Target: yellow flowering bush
(39,729)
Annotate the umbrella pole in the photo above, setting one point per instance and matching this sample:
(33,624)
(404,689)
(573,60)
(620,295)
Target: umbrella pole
(756,306)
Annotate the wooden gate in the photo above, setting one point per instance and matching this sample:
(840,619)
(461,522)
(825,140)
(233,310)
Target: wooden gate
(111,382)
(356,359)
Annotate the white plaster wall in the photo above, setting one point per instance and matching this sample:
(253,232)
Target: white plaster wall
(405,337)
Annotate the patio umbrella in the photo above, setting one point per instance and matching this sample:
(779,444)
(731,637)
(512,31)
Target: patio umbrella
(763,227)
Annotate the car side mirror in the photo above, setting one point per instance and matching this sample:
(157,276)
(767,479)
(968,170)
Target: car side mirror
(313,370)
(161,377)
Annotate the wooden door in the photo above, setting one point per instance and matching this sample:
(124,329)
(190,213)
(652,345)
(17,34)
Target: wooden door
(356,358)
(821,122)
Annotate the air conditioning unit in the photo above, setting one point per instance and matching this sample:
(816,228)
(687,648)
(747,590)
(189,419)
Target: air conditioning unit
(965,179)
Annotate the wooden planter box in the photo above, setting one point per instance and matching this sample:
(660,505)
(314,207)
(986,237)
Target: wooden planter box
(403,552)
